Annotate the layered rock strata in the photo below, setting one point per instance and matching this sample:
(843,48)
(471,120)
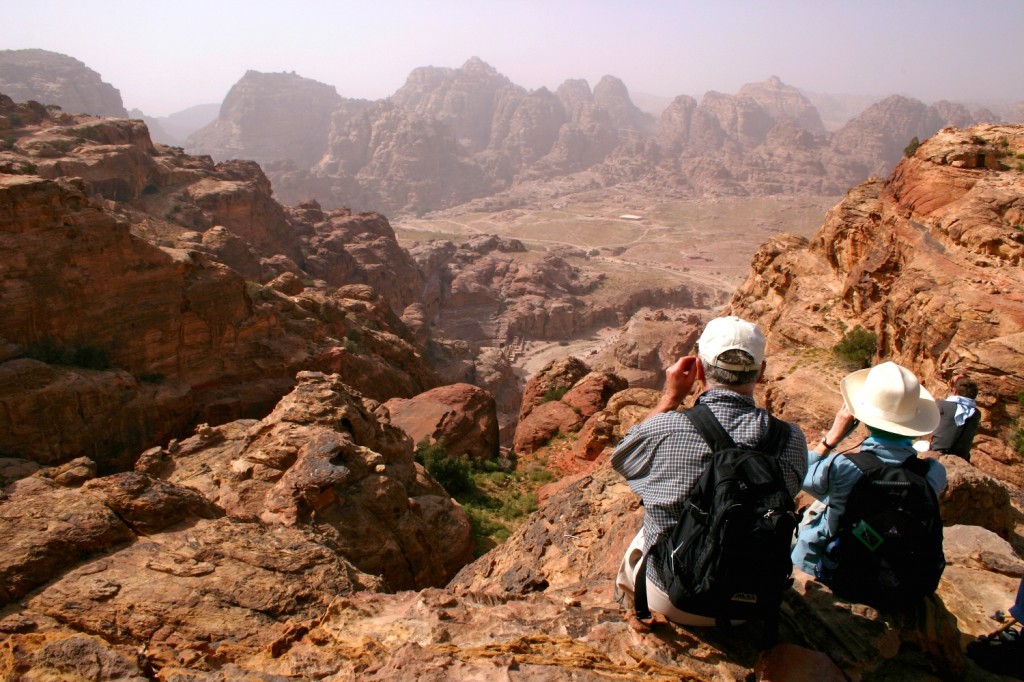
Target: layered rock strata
(930,261)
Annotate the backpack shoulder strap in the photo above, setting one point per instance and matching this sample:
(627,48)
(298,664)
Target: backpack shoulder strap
(867,462)
(775,437)
(709,428)
(715,435)
(917,465)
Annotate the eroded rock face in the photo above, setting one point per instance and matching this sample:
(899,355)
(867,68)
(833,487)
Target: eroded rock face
(930,261)
(270,117)
(134,307)
(322,459)
(363,249)
(463,416)
(54,78)
(48,526)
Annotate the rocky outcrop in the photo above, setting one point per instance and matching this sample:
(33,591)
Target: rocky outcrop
(270,117)
(363,249)
(322,458)
(929,260)
(559,400)
(124,320)
(54,78)
(461,416)
(50,524)
(973,498)
(551,382)
(784,103)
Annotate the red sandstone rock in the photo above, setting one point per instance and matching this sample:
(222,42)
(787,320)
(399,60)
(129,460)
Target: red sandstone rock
(322,459)
(463,416)
(591,393)
(544,422)
(929,260)
(556,377)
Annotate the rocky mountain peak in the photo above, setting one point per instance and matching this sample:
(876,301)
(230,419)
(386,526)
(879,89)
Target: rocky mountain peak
(54,78)
(784,103)
(271,117)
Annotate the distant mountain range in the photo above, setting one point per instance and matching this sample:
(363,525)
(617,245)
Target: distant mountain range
(451,136)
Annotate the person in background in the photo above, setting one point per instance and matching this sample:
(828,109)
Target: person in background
(958,420)
(890,401)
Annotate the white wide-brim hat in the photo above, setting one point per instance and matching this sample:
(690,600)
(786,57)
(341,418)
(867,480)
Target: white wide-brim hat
(889,397)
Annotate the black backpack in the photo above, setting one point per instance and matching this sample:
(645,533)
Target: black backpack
(888,548)
(728,557)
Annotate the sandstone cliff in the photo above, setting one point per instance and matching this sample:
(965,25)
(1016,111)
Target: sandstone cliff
(53,78)
(930,260)
(270,117)
(155,290)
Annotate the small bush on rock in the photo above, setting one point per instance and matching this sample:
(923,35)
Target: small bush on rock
(857,346)
(453,473)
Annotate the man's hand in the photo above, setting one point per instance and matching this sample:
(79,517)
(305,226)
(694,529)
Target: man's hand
(840,426)
(679,380)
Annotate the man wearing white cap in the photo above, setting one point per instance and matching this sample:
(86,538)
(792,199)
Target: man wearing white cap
(894,406)
(663,457)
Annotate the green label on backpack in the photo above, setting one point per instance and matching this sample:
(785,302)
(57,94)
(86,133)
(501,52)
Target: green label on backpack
(868,536)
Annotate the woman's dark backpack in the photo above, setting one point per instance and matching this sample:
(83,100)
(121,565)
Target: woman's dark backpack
(888,548)
(728,557)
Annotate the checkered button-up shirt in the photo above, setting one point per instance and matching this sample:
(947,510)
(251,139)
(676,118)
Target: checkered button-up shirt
(662,458)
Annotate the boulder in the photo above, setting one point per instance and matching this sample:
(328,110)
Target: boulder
(544,422)
(557,376)
(463,416)
(323,460)
(973,498)
(591,393)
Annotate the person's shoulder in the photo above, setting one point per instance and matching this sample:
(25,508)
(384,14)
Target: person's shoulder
(673,419)
(796,434)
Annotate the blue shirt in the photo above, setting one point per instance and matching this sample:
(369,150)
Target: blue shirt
(831,478)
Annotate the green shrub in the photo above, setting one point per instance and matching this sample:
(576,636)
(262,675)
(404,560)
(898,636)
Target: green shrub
(15,119)
(151,188)
(453,473)
(29,168)
(487,531)
(540,476)
(911,148)
(857,346)
(518,505)
(554,393)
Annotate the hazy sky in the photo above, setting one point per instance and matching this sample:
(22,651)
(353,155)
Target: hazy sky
(167,55)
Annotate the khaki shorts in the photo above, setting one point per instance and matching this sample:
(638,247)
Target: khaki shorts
(657,600)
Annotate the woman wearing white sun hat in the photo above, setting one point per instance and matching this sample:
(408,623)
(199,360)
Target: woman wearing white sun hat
(891,402)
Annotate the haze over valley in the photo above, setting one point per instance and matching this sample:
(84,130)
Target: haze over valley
(319,323)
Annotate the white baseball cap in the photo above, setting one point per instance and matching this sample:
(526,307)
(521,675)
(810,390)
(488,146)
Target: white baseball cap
(731,333)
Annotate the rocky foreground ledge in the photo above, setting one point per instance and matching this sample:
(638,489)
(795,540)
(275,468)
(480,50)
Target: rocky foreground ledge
(251,550)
